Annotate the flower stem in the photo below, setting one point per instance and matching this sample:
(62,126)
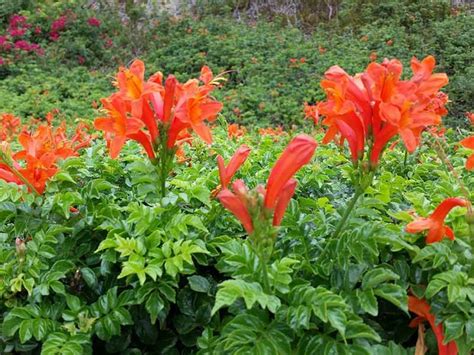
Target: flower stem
(470,223)
(266,282)
(358,192)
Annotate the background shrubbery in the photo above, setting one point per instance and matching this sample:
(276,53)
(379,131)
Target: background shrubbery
(272,68)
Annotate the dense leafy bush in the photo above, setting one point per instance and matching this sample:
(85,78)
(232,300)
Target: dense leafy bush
(129,234)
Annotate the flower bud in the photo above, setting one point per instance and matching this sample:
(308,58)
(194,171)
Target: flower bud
(20,249)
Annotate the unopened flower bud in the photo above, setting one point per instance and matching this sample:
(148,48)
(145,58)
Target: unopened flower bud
(20,249)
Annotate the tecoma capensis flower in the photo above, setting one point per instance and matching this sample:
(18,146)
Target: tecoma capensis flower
(470,117)
(437,230)
(235,131)
(311,112)
(262,208)
(226,173)
(469,143)
(423,311)
(297,154)
(270,131)
(369,109)
(158,113)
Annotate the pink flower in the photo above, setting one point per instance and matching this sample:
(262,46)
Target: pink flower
(38,30)
(94,22)
(17,32)
(58,24)
(54,36)
(16,20)
(81,60)
(3,40)
(34,47)
(22,45)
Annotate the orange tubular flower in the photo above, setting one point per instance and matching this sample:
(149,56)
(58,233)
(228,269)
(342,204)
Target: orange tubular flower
(120,128)
(270,131)
(469,143)
(227,173)
(254,208)
(423,310)
(470,117)
(298,153)
(437,230)
(236,131)
(238,207)
(311,112)
(370,109)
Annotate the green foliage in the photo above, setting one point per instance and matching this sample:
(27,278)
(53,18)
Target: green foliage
(127,271)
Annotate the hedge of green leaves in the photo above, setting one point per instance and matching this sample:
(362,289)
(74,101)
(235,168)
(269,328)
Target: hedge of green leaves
(103,263)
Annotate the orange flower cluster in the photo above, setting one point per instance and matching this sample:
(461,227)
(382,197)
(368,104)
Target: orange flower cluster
(236,131)
(297,61)
(253,208)
(270,131)
(10,126)
(37,162)
(156,112)
(371,108)
(311,112)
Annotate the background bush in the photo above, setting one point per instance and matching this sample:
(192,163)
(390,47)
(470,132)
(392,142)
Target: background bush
(272,69)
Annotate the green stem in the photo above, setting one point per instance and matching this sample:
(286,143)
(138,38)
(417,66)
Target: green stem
(163,174)
(358,192)
(165,162)
(470,222)
(266,282)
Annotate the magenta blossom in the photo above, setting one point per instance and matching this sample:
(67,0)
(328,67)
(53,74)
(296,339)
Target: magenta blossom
(17,20)
(17,32)
(22,45)
(94,22)
(58,24)
(54,36)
